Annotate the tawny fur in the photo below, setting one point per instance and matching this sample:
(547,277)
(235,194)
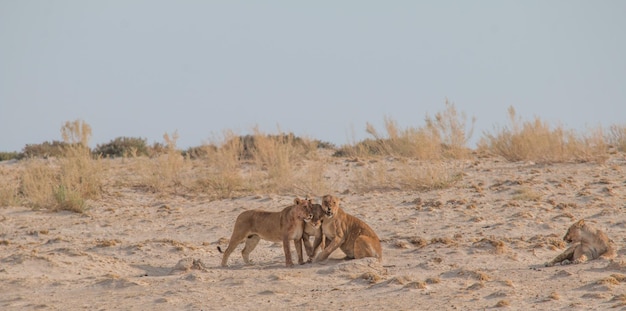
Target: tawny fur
(313,228)
(342,230)
(587,242)
(283,226)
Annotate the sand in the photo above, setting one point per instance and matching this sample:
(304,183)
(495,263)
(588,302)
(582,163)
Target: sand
(480,244)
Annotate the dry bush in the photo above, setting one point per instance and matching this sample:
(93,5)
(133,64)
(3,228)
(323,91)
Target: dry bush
(312,179)
(537,141)
(239,165)
(39,180)
(279,159)
(165,172)
(9,187)
(406,175)
(617,137)
(221,175)
(444,136)
(67,182)
(527,194)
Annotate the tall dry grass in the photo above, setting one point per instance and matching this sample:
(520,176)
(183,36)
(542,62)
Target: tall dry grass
(231,165)
(445,136)
(616,137)
(68,182)
(165,173)
(222,173)
(537,141)
(9,186)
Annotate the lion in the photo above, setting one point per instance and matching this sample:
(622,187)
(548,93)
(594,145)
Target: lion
(313,228)
(342,230)
(589,244)
(283,226)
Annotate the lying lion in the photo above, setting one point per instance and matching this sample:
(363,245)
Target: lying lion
(313,228)
(589,243)
(342,230)
(283,226)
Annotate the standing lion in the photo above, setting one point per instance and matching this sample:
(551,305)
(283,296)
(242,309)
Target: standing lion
(284,226)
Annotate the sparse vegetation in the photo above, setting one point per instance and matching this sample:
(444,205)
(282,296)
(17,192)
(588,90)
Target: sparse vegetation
(443,137)
(67,182)
(66,174)
(4,156)
(164,173)
(123,147)
(539,142)
(617,137)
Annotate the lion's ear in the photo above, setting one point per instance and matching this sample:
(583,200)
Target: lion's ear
(580,223)
(297,201)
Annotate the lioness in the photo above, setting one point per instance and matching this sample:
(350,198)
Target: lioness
(313,228)
(589,243)
(342,230)
(283,226)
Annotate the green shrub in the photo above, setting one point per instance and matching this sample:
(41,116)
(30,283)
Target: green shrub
(45,149)
(4,156)
(123,147)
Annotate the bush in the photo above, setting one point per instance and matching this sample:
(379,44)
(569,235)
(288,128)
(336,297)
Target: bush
(617,137)
(537,141)
(123,147)
(444,136)
(66,183)
(45,150)
(4,156)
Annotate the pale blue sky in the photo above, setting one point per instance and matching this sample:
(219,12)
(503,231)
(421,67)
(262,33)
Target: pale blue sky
(321,69)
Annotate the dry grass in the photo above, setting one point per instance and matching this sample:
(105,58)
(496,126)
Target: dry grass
(402,174)
(68,182)
(222,176)
(164,173)
(617,137)
(527,194)
(9,187)
(278,158)
(412,159)
(537,141)
(443,137)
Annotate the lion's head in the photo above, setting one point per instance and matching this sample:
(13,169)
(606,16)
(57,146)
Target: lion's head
(330,205)
(303,209)
(318,213)
(574,232)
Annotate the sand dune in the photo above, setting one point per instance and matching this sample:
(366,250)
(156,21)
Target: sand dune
(477,245)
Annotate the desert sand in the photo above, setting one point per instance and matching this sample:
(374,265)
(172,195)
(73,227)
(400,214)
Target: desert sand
(480,244)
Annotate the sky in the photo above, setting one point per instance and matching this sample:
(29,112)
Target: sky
(319,69)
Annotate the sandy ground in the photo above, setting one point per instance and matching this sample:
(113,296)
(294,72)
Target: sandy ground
(478,245)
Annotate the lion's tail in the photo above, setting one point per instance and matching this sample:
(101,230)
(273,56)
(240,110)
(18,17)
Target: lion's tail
(219,249)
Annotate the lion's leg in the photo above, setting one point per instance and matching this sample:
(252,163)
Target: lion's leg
(581,255)
(251,243)
(568,254)
(363,247)
(319,239)
(331,247)
(287,250)
(232,244)
(298,244)
(307,245)
(610,253)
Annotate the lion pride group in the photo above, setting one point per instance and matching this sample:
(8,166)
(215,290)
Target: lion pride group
(333,228)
